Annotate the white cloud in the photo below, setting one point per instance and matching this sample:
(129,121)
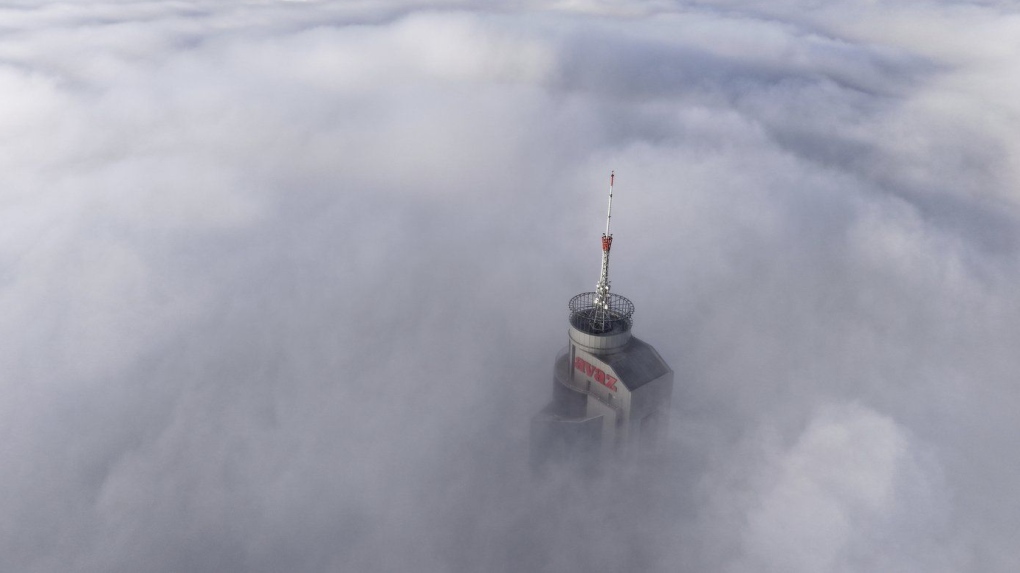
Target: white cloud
(281,283)
(849,495)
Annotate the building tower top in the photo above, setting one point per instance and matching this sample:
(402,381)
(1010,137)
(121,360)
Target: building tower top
(602,313)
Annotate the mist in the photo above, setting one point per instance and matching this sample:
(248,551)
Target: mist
(281,283)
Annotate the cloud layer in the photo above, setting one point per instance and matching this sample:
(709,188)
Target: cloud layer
(281,283)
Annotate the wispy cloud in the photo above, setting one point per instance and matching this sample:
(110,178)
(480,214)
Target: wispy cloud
(281,283)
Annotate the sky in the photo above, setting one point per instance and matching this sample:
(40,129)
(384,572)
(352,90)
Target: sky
(282,283)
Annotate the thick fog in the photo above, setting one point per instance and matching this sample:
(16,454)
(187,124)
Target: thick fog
(281,283)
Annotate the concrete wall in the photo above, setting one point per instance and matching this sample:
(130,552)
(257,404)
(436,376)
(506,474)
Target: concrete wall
(594,409)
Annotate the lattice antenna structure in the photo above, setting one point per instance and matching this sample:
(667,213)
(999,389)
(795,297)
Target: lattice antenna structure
(602,312)
(602,288)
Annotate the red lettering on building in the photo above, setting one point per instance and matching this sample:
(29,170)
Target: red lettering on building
(595,373)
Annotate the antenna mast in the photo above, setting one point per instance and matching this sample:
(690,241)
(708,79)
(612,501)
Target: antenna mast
(602,313)
(601,302)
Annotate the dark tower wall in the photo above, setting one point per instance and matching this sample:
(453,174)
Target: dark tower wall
(611,395)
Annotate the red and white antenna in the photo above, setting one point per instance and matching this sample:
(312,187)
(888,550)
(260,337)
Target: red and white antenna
(602,289)
(601,313)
